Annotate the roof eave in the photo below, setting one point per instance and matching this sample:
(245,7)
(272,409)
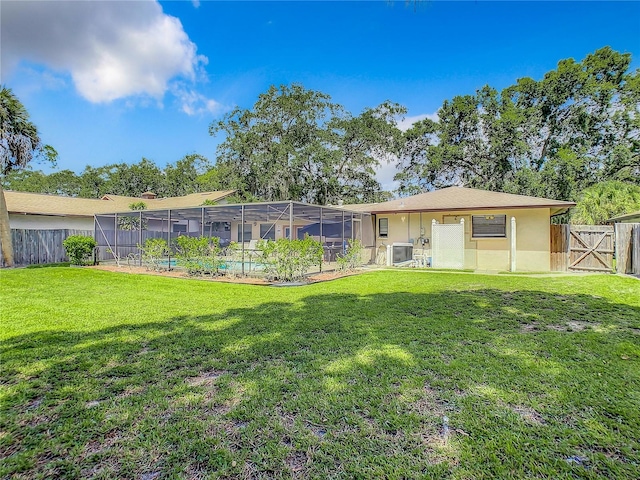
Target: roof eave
(465,209)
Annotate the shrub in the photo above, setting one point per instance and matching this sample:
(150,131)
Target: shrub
(352,258)
(288,260)
(153,252)
(79,248)
(198,255)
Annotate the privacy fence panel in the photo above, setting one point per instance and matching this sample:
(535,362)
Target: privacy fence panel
(559,248)
(33,247)
(628,248)
(624,244)
(448,245)
(591,248)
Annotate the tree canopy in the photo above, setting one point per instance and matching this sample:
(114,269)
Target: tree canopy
(190,174)
(605,200)
(576,127)
(19,142)
(297,144)
(554,137)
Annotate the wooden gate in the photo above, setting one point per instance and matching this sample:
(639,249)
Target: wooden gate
(591,248)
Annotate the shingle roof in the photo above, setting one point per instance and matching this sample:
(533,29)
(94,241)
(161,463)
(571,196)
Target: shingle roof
(41,204)
(626,216)
(461,198)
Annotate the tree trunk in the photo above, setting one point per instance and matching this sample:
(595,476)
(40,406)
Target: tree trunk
(5,231)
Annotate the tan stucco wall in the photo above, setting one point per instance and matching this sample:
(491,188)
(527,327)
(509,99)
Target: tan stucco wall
(50,222)
(255,229)
(532,237)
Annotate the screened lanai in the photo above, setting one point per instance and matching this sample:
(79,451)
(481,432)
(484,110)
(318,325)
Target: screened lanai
(119,234)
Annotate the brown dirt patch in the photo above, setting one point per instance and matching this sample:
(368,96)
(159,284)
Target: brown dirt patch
(527,414)
(529,327)
(313,278)
(207,379)
(572,326)
(296,462)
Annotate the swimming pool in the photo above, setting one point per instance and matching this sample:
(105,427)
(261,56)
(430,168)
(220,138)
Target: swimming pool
(230,265)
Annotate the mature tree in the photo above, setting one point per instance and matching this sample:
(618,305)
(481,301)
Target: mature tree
(25,181)
(296,144)
(132,180)
(19,142)
(96,181)
(181,178)
(577,126)
(605,200)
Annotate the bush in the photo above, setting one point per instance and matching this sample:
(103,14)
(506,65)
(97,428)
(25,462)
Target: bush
(198,255)
(352,258)
(153,252)
(288,260)
(79,248)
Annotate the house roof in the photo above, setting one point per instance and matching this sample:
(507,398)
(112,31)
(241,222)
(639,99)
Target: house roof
(461,198)
(42,204)
(626,216)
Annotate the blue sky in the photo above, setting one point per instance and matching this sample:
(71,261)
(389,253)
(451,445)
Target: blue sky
(109,82)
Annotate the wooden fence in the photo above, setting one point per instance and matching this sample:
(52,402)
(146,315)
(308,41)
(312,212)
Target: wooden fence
(31,247)
(559,248)
(628,248)
(591,248)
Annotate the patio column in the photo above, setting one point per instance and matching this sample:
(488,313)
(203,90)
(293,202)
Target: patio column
(513,244)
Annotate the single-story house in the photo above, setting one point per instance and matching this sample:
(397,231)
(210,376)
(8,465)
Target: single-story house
(35,211)
(453,227)
(499,231)
(633,217)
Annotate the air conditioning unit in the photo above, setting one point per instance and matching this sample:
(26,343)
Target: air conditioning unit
(401,252)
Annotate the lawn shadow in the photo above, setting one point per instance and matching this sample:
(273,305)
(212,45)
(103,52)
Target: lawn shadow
(340,385)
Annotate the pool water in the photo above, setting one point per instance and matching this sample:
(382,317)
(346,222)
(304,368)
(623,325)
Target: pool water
(228,265)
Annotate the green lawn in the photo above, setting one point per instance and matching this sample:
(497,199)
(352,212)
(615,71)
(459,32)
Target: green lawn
(108,375)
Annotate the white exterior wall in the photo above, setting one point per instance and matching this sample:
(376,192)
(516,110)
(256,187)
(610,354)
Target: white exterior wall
(49,222)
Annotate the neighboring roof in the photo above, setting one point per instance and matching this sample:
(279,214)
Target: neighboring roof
(627,216)
(42,204)
(461,198)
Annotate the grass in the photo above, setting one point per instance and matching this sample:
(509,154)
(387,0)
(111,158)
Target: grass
(107,375)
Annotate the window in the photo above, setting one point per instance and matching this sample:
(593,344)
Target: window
(489,226)
(247,232)
(220,226)
(267,231)
(383,227)
(299,234)
(181,228)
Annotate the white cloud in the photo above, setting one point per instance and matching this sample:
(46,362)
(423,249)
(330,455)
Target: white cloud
(194,103)
(406,123)
(112,50)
